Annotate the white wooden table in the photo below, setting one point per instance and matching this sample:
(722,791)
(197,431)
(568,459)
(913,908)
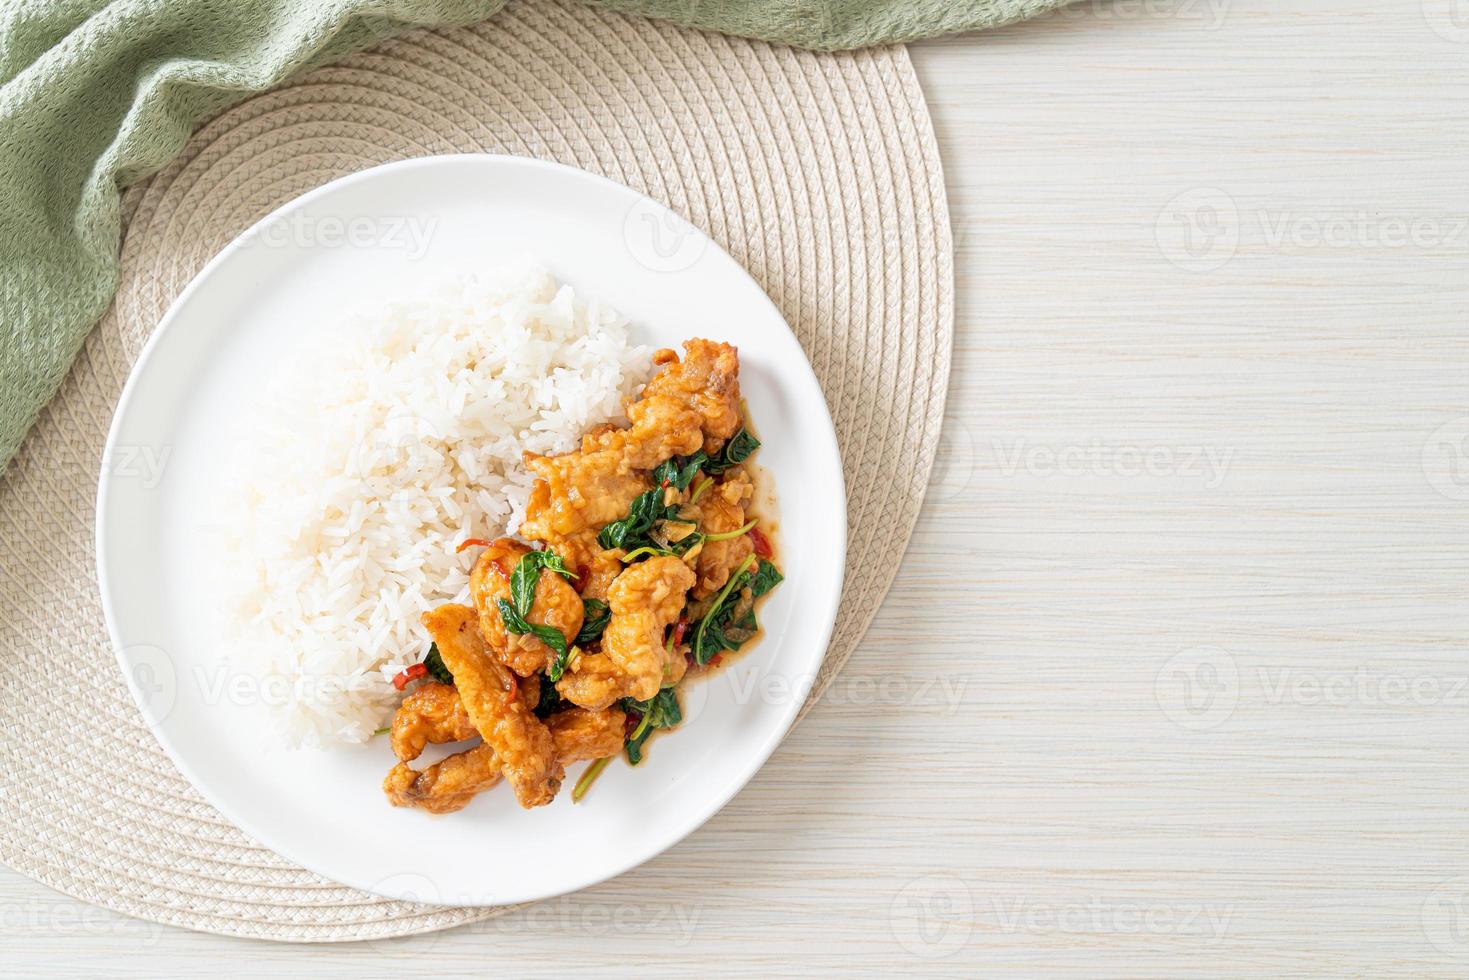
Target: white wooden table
(1191,579)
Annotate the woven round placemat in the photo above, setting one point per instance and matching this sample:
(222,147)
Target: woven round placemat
(819,174)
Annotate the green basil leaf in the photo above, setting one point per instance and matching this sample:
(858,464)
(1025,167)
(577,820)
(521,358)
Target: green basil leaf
(730,622)
(647,552)
(678,471)
(767,577)
(594,622)
(435,664)
(635,747)
(740,447)
(685,544)
(514,621)
(723,633)
(631,532)
(550,701)
(549,635)
(660,711)
(527,575)
(665,707)
(552,637)
(711,635)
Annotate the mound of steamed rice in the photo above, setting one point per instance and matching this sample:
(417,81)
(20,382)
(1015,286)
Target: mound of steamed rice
(375,453)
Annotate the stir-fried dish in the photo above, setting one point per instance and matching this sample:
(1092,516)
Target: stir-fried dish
(644,562)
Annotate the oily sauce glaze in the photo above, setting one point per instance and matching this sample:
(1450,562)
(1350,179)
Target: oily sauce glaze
(648,562)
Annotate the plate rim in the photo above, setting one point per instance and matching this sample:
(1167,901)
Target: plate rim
(702,814)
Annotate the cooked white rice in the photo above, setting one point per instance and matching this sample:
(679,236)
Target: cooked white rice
(388,443)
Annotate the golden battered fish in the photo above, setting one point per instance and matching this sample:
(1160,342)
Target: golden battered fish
(519,741)
(446,786)
(581,734)
(433,714)
(707,382)
(556,604)
(645,600)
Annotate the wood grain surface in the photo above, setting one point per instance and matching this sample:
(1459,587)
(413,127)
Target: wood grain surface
(1175,678)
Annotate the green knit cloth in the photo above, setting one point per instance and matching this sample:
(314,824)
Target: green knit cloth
(96,94)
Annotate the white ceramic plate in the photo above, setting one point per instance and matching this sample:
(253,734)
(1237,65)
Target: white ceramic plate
(344,244)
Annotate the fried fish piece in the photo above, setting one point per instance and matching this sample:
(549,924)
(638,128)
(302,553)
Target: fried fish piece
(645,600)
(445,786)
(520,742)
(721,509)
(451,783)
(438,716)
(688,404)
(579,491)
(661,427)
(706,381)
(581,734)
(556,604)
(595,567)
(594,682)
(433,714)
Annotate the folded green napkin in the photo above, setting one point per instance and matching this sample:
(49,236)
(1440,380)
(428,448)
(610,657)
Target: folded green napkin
(96,94)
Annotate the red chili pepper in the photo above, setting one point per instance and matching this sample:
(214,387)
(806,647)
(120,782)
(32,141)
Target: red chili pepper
(716,660)
(472,543)
(761,542)
(679,631)
(408,674)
